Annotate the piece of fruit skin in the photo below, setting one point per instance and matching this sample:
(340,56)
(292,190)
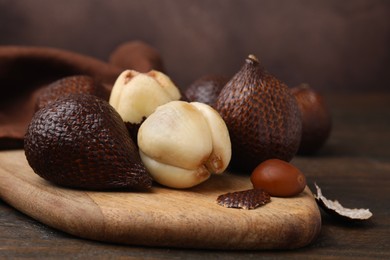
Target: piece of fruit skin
(182,144)
(80,141)
(136,95)
(316,119)
(278,178)
(262,116)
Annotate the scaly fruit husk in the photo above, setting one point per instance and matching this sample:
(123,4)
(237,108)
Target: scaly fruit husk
(80,141)
(206,89)
(316,119)
(262,116)
(77,84)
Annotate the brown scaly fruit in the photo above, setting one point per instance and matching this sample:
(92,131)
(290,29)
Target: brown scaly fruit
(262,116)
(136,55)
(316,119)
(206,89)
(78,84)
(80,141)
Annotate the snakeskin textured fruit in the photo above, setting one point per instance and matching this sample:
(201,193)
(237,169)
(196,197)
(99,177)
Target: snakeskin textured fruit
(80,84)
(262,116)
(316,119)
(80,141)
(206,89)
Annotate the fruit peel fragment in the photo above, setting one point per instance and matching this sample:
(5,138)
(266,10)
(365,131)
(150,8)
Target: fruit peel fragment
(333,207)
(246,199)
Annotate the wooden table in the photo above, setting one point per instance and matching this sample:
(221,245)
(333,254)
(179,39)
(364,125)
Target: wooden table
(353,167)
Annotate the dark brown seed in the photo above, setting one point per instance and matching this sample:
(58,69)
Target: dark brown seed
(278,178)
(262,116)
(80,84)
(80,141)
(247,199)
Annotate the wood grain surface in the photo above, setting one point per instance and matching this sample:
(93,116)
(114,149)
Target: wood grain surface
(353,168)
(162,217)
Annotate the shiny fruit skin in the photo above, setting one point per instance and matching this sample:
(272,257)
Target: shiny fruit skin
(278,178)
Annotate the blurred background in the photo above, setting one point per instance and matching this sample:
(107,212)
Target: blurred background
(332,45)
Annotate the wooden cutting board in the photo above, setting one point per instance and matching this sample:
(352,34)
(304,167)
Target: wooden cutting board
(162,217)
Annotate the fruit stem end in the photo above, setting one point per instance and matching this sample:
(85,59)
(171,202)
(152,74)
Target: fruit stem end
(252,59)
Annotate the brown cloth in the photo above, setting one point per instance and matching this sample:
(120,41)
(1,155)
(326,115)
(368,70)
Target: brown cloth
(24,70)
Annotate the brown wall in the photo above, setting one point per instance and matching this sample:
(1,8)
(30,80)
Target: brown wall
(329,44)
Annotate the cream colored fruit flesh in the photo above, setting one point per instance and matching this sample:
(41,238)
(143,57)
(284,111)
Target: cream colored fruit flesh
(182,143)
(136,95)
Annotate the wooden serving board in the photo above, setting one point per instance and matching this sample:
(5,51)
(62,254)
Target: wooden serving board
(162,217)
